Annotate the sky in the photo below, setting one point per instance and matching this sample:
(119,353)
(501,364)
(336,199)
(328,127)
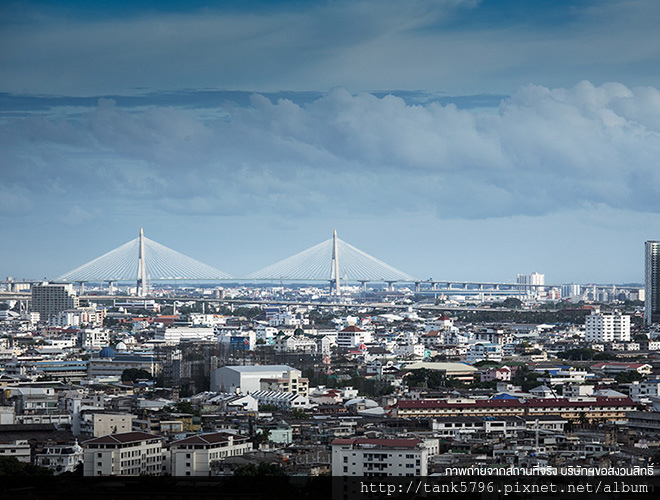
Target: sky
(453,139)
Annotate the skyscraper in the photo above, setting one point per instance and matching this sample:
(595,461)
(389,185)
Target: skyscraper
(652,283)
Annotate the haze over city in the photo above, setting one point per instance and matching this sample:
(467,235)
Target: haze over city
(452,139)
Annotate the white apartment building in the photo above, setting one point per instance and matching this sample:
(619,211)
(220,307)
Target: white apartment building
(379,457)
(266,333)
(286,319)
(644,390)
(295,344)
(610,327)
(482,351)
(178,334)
(19,449)
(60,458)
(531,279)
(194,455)
(570,290)
(410,350)
(94,338)
(353,336)
(438,323)
(125,454)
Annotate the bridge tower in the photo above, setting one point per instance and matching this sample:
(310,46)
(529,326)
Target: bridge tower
(335,288)
(141,288)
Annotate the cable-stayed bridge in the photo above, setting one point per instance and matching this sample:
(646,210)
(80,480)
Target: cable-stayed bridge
(333,260)
(140,260)
(143,260)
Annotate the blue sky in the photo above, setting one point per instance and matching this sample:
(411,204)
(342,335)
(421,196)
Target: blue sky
(453,139)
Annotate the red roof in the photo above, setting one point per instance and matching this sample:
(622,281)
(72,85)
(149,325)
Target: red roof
(512,403)
(352,328)
(443,403)
(125,437)
(600,401)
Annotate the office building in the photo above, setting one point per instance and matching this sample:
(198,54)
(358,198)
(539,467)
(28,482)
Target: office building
(652,283)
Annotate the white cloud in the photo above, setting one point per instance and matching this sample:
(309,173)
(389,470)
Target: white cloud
(544,150)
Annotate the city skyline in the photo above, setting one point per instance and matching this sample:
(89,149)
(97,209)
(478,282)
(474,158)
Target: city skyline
(457,140)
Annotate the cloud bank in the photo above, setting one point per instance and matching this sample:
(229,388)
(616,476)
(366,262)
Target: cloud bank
(540,152)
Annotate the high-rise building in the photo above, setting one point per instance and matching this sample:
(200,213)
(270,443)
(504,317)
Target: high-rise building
(52,298)
(570,290)
(612,327)
(652,283)
(531,279)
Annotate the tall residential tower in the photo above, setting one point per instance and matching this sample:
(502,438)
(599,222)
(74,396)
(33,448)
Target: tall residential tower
(652,283)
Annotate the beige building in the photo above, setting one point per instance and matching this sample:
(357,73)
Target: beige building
(291,382)
(126,454)
(193,456)
(111,423)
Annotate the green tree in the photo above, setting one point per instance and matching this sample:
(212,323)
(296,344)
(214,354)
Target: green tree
(298,414)
(184,407)
(10,466)
(134,374)
(627,377)
(263,469)
(512,303)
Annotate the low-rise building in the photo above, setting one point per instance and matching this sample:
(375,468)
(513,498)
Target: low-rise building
(125,454)
(194,455)
(18,449)
(60,458)
(644,390)
(482,351)
(589,409)
(379,457)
